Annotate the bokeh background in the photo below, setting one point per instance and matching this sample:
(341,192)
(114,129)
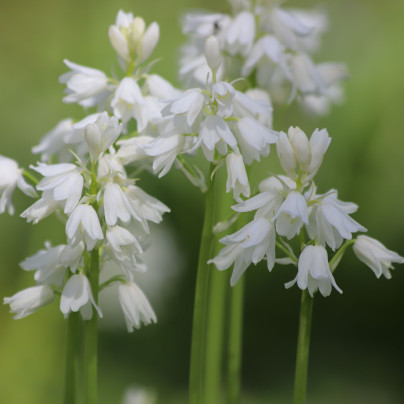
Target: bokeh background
(357,350)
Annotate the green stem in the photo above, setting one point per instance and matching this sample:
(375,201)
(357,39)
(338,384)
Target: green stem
(30,177)
(216,312)
(72,358)
(199,329)
(339,254)
(91,336)
(234,349)
(303,345)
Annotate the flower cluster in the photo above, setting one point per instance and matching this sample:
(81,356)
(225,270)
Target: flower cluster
(289,207)
(106,213)
(268,45)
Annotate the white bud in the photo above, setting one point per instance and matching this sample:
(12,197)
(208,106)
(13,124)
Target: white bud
(149,41)
(119,42)
(301,147)
(92,135)
(286,155)
(137,27)
(213,53)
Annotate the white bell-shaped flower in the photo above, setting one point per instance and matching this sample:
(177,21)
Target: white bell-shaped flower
(54,142)
(330,222)
(314,272)
(84,85)
(135,306)
(249,245)
(83,224)
(240,34)
(237,179)
(29,300)
(42,208)
(101,134)
(127,100)
(64,181)
(292,214)
(77,295)
(10,178)
(376,256)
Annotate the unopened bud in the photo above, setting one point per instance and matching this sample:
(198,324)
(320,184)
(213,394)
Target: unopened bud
(119,42)
(301,146)
(212,52)
(93,139)
(286,155)
(149,40)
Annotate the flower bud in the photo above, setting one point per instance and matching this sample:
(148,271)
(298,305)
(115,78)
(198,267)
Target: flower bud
(137,28)
(149,41)
(286,155)
(92,135)
(301,147)
(119,42)
(213,53)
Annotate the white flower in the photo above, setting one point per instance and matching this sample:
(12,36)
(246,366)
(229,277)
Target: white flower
(215,133)
(50,263)
(125,248)
(54,142)
(240,34)
(237,179)
(189,104)
(77,295)
(161,88)
(266,52)
(127,100)
(11,177)
(116,205)
(29,300)
(42,208)
(254,139)
(135,306)
(286,26)
(145,206)
(84,85)
(63,180)
(291,215)
(249,245)
(133,149)
(130,39)
(165,150)
(83,224)
(376,256)
(295,148)
(102,134)
(329,221)
(314,272)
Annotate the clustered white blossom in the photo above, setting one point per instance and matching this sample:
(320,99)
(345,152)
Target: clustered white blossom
(107,214)
(289,207)
(271,47)
(142,120)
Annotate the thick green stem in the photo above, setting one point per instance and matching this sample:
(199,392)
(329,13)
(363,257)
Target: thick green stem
(72,358)
(218,288)
(199,329)
(91,336)
(303,345)
(234,347)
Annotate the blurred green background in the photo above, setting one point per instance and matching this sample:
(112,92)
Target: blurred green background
(357,338)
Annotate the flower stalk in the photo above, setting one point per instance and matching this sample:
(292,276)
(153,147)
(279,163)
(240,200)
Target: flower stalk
(303,346)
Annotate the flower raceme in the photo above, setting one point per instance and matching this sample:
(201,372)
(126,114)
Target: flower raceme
(289,206)
(105,211)
(270,45)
